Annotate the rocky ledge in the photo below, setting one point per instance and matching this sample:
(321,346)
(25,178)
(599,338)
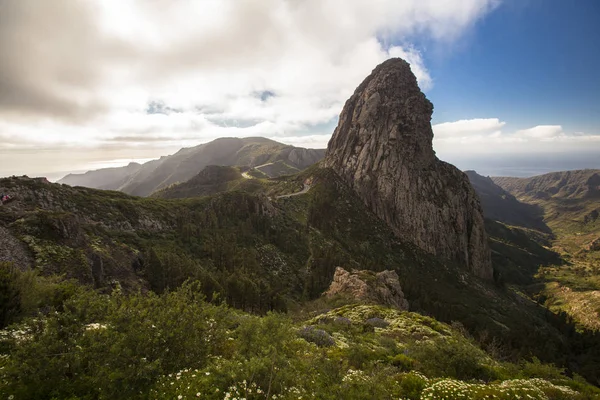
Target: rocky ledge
(381,288)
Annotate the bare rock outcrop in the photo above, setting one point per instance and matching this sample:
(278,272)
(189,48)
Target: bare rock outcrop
(368,286)
(382,148)
(12,250)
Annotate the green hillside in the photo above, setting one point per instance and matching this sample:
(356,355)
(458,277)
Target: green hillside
(257,253)
(570,202)
(211,180)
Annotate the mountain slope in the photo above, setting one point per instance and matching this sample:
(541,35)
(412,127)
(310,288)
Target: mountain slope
(570,201)
(211,180)
(559,185)
(500,205)
(105,178)
(187,162)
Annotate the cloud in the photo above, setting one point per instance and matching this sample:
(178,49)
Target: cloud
(51,59)
(541,132)
(467,127)
(485,135)
(165,72)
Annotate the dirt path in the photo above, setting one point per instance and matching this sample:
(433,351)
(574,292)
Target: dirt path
(304,190)
(264,165)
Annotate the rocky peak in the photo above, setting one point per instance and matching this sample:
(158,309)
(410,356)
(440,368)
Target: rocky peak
(382,148)
(380,288)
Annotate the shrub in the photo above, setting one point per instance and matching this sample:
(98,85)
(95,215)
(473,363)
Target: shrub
(511,389)
(402,361)
(343,321)
(377,323)
(112,346)
(316,336)
(451,357)
(535,369)
(412,384)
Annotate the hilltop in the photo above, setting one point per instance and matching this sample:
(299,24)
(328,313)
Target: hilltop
(142,180)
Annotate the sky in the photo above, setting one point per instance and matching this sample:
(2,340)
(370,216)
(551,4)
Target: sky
(86,84)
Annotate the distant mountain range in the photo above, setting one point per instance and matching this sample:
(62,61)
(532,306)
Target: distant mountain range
(271,157)
(583,183)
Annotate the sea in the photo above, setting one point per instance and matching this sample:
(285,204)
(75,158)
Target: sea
(524,165)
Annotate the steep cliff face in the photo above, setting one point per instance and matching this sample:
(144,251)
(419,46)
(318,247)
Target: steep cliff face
(382,148)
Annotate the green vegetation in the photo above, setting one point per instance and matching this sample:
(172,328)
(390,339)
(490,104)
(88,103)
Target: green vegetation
(177,345)
(260,255)
(570,202)
(214,179)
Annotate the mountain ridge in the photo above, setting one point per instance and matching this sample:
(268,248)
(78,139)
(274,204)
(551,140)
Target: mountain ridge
(559,184)
(187,162)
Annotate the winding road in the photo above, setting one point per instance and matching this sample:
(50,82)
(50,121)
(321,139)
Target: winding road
(304,190)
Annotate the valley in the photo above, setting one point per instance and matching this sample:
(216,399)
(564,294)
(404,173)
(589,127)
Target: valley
(570,202)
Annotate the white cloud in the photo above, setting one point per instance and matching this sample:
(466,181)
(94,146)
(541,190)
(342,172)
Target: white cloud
(414,58)
(485,135)
(309,141)
(542,132)
(467,127)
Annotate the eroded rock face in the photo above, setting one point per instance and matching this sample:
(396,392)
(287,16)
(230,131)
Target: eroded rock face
(382,148)
(379,288)
(13,251)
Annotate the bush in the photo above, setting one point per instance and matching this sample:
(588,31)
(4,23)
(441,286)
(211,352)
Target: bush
(451,389)
(377,323)
(402,361)
(24,294)
(10,294)
(412,384)
(112,346)
(535,369)
(316,336)
(452,357)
